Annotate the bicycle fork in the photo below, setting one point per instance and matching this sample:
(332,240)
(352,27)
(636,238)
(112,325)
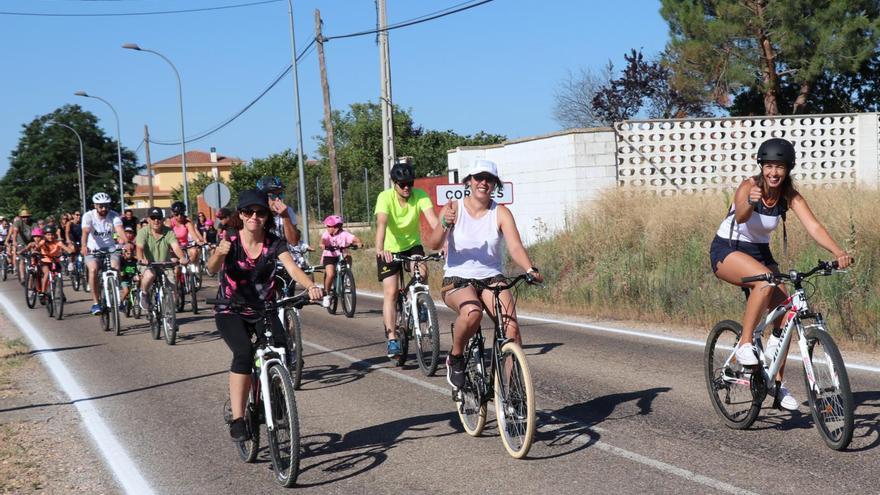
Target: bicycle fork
(264,382)
(414,289)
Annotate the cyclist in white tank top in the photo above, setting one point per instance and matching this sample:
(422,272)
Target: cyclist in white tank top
(473,229)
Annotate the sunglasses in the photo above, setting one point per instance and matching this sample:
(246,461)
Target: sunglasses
(102,206)
(484,177)
(155,218)
(249,212)
(405,183)
(222,218)
(279,195)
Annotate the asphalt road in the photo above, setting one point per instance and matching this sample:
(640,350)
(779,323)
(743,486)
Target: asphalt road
(618,414)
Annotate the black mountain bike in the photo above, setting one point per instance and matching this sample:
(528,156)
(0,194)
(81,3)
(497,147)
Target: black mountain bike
(162,316)
(271,398)
(504,376)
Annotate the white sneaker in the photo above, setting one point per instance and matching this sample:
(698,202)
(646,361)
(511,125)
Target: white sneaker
(772,345)
(786,401)
(746,356)
(325,301)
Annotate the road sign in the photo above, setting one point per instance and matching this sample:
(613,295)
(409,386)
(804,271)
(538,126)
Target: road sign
(217,195)
(451,192)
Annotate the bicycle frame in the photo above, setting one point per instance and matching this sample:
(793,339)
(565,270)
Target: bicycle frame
(108,273)
(407,293)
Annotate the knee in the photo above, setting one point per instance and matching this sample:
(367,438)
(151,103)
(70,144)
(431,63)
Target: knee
(473,318)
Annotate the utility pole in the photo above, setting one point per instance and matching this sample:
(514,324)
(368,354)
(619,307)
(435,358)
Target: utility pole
(328,122)
(318,196)
(367,192)
(385,98)
(149,165)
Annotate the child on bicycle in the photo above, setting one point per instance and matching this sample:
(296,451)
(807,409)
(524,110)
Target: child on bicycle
(335,241)
(128,272)
(49,248)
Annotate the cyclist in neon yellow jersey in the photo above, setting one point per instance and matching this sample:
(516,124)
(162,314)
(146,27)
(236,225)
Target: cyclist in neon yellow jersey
(398,211)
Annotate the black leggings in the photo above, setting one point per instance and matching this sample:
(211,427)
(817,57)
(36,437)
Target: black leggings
(236,332)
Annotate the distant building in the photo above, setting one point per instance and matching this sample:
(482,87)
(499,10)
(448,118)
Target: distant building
(168,175)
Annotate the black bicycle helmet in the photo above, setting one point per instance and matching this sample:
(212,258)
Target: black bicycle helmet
(776,149)
(178,207)
(267,183)
(402,172)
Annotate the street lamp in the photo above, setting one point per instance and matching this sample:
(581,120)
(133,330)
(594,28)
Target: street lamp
(303,208)
(133,46)
(118,147)
(82,173)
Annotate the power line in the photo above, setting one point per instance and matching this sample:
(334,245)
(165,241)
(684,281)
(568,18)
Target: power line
(126,14)
(410,22)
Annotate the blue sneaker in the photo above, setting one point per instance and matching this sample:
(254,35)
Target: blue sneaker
(393,348)
(96,309)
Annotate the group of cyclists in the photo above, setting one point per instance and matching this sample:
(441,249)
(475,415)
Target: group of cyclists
(259,239)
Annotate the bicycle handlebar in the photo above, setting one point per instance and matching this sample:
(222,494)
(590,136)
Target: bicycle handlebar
(479,284)
(297,301)
(416,258)
(826,267)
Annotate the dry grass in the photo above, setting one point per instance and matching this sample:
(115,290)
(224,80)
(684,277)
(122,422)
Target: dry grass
(638,257)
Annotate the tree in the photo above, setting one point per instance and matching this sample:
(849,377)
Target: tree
(644,85)
(721,47)
(359,147)
(44,167)
(574,98)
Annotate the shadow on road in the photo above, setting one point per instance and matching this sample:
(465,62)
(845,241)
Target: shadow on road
(542,348)
(370,344)
(62,349)
(866,421)
(339,457)
(114,394)
(572,426)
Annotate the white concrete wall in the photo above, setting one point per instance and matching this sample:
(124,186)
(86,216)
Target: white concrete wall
(552,175)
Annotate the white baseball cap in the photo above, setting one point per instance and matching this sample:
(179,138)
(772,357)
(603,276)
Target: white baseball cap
(480,166)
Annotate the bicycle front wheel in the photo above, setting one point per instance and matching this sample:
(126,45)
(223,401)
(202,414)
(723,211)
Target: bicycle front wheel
(830,396)
(50,302)
(193,287)
(169,317)
(58,297)
(349,294)
(428,336)
(294,347)
(4,268)
(736,392)
(284,437)
(515,401)
(30,290)
(114,307)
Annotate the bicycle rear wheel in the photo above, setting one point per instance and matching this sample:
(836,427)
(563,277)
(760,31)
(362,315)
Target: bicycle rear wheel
(248,449)
(349,294)
(830,398)
(294,346)
(194,288)
(472,405)
(284,437)
(428,336)
(58,297)
(515,406)
(736,392)
(169,317)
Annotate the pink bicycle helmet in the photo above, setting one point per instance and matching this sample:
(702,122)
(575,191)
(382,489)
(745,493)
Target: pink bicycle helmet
(209,223)
(37,232)
(333,220)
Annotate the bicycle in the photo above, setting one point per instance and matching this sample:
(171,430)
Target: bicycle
(271,399)
(132,306)
(188,283)
(507,380)
(290,319)
(5,266)
(32,279)
(738,391)
(343,287)
(417,316)
(54,292)
(161,315)
(78,276)
(108,290)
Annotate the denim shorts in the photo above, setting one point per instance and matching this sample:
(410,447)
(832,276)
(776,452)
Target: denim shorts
(721,248)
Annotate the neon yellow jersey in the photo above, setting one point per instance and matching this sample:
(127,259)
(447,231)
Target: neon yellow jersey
(402,231)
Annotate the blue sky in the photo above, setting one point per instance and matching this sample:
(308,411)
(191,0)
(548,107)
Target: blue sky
(492,68)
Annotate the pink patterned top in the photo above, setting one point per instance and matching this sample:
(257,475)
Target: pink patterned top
(249,281)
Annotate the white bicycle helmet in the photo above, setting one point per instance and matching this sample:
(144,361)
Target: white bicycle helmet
(101,198)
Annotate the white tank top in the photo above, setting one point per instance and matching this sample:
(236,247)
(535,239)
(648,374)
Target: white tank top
(474,245)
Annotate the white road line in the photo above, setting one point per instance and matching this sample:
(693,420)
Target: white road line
(628,332)
(626,454)
(115,456)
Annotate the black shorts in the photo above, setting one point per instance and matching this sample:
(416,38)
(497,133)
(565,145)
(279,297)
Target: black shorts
(386,270)
(236,332)
(721,248)
(329,260)
(447,281)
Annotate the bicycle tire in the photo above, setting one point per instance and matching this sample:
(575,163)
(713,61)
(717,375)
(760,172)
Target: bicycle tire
(181,295)
(113,308)
(50,302)
(736,394)
(197,283)
(194,300)
(294,347)
(349,294)
(334,301)
(516,410)
(75,280)
(30,291)
(833,410)
(136,304)
(427,339)
(3,267)
(155,320)
(169,318)
(129,308)
(105,315)
(283,440)
(58,297)
(472,408)
(248,449)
